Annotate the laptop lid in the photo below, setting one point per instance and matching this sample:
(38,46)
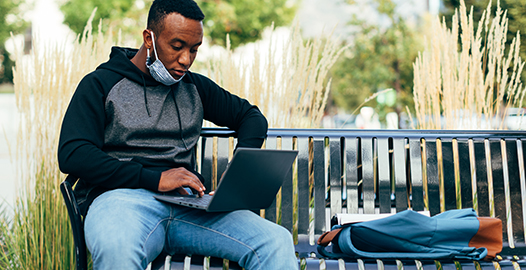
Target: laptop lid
(251,181)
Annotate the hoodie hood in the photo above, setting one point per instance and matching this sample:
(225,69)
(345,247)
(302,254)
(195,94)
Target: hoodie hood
(120,63)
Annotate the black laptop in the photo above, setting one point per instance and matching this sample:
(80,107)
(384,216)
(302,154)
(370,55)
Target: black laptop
(251,181)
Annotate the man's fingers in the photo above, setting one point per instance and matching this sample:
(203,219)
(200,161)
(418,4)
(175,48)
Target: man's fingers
(194,184)
(182,191)
(199,188)
(178,178)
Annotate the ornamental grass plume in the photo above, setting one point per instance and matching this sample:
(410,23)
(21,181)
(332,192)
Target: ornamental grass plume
(465,79)
(290,86)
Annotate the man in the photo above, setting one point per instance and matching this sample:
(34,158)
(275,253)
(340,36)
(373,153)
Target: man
(129,133)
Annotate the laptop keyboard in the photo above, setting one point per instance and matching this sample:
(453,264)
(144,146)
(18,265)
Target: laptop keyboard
(198,200)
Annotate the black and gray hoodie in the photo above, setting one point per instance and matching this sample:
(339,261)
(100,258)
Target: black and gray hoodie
(122,128)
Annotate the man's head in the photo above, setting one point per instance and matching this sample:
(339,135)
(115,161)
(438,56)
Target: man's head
(161,8)
(174,33)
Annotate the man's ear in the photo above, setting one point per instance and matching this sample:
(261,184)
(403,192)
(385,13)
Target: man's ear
(147,38)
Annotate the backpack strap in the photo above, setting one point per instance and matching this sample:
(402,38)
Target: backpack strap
(326,238)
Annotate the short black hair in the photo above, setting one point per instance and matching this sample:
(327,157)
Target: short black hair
(161,8)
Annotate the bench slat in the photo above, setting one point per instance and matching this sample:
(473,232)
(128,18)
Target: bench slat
(448,174)
(507,265)
(271,211)
(303,186)
(521,156)
(466,189)
(207,161)
(400,163)
(352,174)
(467,266)
(368,173)
(384,176)
(498,184)
(514,199)
(482,177)
(433,183)
(287,191)
(335,179)
(417,184)
(318,167)
(223,156)
(486,265)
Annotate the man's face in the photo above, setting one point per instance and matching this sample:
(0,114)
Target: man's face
(178,42)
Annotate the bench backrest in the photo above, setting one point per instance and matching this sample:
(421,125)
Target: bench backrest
(371,171)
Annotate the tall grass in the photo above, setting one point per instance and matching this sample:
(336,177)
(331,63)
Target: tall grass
(288,82)
(37,235)
(467,78)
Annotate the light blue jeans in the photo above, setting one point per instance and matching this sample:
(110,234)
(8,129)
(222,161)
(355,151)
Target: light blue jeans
(128,228)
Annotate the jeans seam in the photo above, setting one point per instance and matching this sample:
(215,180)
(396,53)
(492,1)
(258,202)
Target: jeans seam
(227,236)
(149,234)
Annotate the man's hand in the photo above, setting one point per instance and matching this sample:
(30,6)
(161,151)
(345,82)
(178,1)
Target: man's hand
(177,179)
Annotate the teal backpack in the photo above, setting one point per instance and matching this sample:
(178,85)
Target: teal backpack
(454,234)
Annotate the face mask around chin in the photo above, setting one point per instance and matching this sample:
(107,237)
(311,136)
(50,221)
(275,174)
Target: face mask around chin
(157,70)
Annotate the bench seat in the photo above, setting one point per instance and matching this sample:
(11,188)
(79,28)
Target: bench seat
(381,171)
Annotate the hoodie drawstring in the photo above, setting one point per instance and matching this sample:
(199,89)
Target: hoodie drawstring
(145,98)
(179,118)
(176,109)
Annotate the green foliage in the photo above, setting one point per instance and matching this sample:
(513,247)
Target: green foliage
(515,13)
(243,20)
(6,66)
(11,20)
(77,12)
(379,58)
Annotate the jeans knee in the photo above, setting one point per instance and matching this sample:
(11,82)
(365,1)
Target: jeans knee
(282,240)
(116,254)
(276,250)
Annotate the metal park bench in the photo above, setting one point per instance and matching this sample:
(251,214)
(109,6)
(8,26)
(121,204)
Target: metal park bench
(373,171)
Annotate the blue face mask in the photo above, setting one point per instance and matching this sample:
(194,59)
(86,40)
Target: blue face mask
(158,70)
